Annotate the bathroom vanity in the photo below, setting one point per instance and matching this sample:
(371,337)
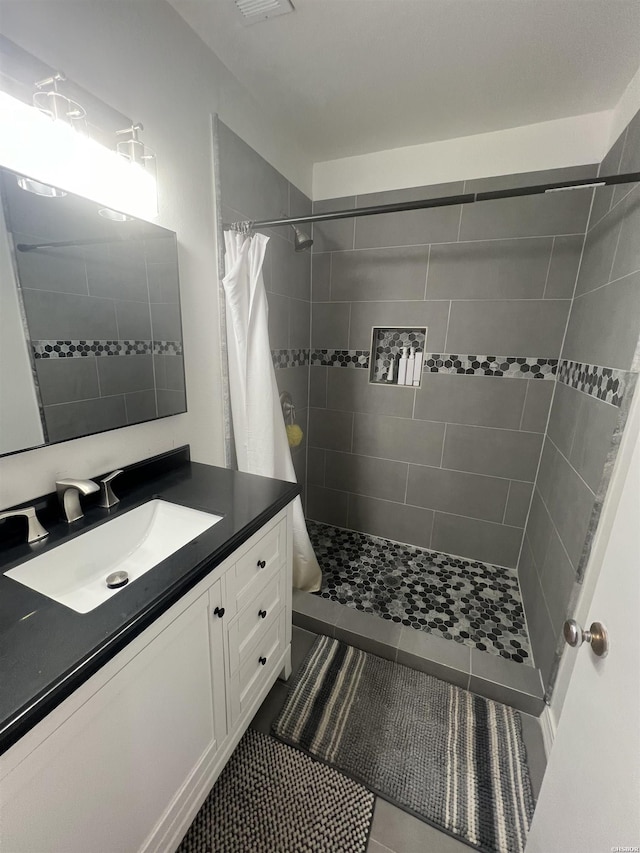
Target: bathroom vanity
(116,722)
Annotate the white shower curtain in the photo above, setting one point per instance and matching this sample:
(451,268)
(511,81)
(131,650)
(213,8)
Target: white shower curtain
(258,426)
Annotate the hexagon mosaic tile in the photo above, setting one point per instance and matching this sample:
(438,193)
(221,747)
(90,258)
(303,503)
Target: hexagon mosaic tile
(466,601)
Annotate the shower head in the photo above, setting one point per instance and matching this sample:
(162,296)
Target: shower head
(301,241)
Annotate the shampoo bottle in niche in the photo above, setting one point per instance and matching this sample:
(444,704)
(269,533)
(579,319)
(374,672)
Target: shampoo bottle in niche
(391,373)
(417,367)
(402,366)
(410,367)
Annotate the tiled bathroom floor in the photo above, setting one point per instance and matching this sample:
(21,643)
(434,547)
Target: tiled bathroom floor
(394,830)
(467,601)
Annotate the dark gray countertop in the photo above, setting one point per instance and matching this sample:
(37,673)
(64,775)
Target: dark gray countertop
(47,650)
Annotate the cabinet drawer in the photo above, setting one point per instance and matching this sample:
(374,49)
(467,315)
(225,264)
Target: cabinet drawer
(260,560)
(255,620)
(256,668)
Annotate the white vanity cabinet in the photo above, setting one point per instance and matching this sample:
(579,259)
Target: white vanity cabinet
(126,761)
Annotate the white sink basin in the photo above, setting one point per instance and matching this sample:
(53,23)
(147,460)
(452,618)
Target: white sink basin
(75,572)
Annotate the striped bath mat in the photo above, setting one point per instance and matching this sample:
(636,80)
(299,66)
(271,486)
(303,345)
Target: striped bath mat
(453,759)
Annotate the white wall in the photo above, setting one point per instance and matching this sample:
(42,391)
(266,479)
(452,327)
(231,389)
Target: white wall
(576,141)
(142,59)
(627,106)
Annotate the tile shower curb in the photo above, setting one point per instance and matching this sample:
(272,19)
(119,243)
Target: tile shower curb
(485,674)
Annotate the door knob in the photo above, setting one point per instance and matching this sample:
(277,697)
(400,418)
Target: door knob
(596,636)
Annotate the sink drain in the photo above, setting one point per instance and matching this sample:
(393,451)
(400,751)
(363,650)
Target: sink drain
(117,579)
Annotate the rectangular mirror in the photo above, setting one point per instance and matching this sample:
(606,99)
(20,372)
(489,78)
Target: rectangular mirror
(90,327)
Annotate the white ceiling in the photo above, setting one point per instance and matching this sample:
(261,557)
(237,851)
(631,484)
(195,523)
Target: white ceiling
(348,77)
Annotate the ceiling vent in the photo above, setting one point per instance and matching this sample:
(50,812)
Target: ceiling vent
(253,11)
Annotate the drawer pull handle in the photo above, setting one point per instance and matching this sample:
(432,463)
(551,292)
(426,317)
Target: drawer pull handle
(262,660)
(262,564)
(262,614)
(219,612)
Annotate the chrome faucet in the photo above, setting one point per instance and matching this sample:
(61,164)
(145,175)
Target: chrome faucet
(69,494)
(35,531)
(107,497)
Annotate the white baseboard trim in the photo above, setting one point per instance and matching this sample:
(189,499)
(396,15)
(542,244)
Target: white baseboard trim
(548,726)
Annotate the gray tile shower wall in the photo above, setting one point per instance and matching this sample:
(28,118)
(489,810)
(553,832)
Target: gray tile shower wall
(251,188)
(450,465)
(595,378)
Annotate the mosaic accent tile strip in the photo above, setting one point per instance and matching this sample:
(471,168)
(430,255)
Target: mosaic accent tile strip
(389,343)
(512,367)
(289,358)
(469,602)
(605,383)
(167,347)
(340,358)
(97,349)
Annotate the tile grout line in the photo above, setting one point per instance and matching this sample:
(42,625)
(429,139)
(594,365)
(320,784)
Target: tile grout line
(506,503)
(433,524)
(426,278)
(422,465)
(349,331)
(306,452)
(546,280)
(91,399)
(615,252)
(331,274)
(429,508)
(444,438)
(573,468)
(524,406)
(454,242)
(481,300)
(464,184)
(557,532)
(538,572)
(428,421)
(607,283)
(524,611)
(355,219)
(446,337)
(98,378)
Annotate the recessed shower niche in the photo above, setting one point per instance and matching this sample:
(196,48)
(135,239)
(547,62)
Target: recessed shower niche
(397,355)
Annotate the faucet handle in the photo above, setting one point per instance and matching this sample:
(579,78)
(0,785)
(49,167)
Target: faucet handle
(35,531)
(107,497)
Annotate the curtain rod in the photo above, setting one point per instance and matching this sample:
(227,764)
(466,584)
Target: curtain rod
(446,201)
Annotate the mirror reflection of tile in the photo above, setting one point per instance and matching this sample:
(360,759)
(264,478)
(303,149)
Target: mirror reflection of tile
(101,313)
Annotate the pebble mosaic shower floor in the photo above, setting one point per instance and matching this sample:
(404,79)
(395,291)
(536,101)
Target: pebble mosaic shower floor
(466,601)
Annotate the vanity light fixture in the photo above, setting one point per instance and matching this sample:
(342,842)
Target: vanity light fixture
(141,159)
(114,215)
(50,101)
(48,149)
(37,188)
